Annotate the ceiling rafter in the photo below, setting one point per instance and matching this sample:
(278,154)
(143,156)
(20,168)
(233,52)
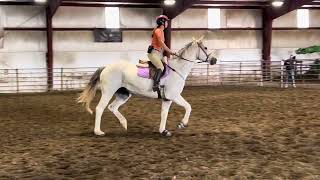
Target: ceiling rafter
(178,7)
(53,6)
(288,6)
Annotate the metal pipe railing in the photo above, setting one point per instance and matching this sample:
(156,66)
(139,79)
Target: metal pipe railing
(306,72)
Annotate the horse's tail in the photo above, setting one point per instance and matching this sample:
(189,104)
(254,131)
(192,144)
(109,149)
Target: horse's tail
(89,92)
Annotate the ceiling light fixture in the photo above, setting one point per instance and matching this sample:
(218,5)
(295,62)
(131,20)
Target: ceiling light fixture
(40,1)
(277,3)
(169,2)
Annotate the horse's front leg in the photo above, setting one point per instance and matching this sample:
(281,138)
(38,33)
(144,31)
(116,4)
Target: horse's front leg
(182,102)
(164,115)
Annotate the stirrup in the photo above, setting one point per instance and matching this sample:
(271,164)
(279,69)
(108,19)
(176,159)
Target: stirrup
(155,88)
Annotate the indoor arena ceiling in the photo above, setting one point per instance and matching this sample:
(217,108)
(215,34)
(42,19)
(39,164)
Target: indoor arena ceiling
(243,4)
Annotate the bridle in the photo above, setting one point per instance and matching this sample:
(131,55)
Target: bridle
(200,47)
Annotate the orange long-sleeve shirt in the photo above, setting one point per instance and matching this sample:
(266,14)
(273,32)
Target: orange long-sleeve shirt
(158,36)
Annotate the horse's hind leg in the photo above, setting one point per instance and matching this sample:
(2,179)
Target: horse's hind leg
(122,96)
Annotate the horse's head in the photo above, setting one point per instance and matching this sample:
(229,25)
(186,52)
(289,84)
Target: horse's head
(198,51)
(204,55)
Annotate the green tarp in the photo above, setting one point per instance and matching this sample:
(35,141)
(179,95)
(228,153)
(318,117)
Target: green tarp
(308,50)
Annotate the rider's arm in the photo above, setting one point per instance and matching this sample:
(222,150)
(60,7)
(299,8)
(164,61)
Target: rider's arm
(165,47)
(158,34)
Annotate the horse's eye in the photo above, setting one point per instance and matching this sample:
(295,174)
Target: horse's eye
(205,48)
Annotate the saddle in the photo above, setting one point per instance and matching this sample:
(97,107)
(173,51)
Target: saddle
(147,70)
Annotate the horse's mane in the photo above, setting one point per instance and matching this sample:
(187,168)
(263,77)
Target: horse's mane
(183,50)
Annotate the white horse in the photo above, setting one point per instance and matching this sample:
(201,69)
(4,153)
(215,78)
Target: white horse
(121,79)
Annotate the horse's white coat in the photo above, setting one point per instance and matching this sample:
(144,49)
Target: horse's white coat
(123,74)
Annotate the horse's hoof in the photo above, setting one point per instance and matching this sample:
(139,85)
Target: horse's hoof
(99,133)
(124,125)
(166,133)
(181,125)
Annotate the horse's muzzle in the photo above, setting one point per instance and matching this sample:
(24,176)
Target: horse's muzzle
(212,61)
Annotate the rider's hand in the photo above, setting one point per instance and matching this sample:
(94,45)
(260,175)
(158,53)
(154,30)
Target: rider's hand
(165,59)
(174,53)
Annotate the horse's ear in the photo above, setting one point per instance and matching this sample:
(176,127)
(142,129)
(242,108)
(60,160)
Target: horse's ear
(194,40)
(201,38)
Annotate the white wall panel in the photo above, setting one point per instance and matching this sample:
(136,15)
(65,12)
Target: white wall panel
(84,41)
(242,18)
(314,18)
(25,16)
(138,17)
(79,17)
(15,41)
(192,18)
(287,20)
(78,49)
(219,39)
(22,60)
(95,59)
(295,38)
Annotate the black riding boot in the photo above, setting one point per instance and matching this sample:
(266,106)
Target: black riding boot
(156,80)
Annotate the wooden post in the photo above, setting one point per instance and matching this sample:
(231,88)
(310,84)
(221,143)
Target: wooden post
(49,51)
(167,35)
(266,44)
(281,74)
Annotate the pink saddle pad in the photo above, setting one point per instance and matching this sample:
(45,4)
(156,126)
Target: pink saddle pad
(144,72)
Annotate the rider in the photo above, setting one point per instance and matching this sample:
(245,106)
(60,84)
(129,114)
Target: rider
(155,51)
